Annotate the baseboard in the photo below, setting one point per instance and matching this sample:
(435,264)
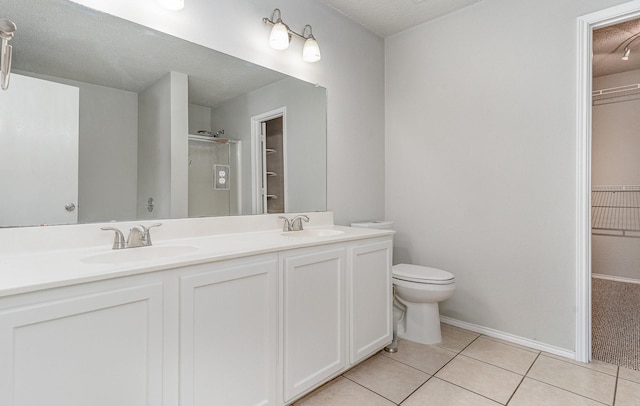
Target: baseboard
(615,278)
(536,345)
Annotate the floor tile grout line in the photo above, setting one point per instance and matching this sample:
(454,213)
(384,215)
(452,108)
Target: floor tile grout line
(615,387)
(370,390)
(439,369)
(580,364)
(514,345)
(567,390)
(497,366)
(466,389)
(523,376)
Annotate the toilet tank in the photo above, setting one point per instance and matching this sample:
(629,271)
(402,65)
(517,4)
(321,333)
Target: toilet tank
(382,225)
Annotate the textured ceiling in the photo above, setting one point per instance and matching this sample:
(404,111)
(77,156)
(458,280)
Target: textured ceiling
(608,48)
(388,17)
(63,39)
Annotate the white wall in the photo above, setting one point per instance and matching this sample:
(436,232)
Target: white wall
(480,160)
(351,69)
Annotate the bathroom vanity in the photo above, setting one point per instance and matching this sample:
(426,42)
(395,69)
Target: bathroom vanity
(207,315)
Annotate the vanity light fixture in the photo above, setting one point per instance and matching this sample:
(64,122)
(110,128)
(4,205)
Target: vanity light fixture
(281,34)
(174,5)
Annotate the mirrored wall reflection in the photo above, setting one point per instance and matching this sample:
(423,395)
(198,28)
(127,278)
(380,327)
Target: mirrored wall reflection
(126,150)
(214,176)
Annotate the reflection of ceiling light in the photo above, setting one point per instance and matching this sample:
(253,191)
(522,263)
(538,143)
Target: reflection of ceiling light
(627,51)
(172,4)
(281,36)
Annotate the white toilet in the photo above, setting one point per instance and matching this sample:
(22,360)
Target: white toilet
(420,289)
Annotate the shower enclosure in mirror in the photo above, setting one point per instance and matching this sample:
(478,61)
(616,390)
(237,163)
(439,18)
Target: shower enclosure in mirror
(214,176)
(139,93)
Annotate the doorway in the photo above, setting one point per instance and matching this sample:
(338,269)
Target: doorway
(269,162)
(586,25)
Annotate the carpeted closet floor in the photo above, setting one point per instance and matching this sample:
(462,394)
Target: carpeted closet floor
(616,322)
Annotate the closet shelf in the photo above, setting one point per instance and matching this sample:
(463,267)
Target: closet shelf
(615,209)
(270,151)
(269,173)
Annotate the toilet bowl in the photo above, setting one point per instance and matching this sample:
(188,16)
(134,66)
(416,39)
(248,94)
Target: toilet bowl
(420,289)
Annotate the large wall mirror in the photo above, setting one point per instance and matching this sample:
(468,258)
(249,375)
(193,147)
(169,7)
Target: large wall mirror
(107,120)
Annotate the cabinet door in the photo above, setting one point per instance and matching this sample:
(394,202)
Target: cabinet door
(103,348)
(228,333)
(314,318)
(371,298)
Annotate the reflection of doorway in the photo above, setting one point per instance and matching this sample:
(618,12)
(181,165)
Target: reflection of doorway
(269,163)
(586,25)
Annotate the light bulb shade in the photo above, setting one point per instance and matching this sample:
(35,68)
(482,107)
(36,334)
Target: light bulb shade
(311,50)
(279,38)
(171,4)
(625,57)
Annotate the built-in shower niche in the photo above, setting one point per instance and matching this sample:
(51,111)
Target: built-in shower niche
(213,176)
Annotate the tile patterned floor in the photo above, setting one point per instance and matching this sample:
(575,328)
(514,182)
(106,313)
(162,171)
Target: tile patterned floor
(469,369)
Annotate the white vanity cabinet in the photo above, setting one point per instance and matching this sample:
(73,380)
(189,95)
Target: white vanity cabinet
(370,298)
(314,316)
(336,306)
(98,344)
(229,332)
(260,328)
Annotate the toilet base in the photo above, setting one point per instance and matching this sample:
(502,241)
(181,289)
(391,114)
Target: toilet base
(421,323)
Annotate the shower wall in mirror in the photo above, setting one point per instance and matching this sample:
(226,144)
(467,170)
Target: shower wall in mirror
(140,93)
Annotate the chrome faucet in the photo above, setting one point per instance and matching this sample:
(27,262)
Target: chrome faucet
(287,225)
(118,241)
(294,224)
(139,236)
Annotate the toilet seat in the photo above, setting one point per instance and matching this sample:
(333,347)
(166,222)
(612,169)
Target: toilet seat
(422,274)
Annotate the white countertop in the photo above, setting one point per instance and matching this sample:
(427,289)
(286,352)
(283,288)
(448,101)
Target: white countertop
(30,269)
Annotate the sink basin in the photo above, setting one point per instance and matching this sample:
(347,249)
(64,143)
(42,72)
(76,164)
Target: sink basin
(312,233)
(139,254)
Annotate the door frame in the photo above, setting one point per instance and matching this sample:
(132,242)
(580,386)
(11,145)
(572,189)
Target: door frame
(586,25)
(257,158)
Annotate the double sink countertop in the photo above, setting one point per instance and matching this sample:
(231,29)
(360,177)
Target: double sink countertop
(215,239)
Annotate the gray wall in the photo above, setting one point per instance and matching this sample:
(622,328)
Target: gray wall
(481,160)
(162,148)
(306,140)
(108,151)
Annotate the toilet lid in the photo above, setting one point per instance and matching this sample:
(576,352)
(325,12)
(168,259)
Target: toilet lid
(422,274)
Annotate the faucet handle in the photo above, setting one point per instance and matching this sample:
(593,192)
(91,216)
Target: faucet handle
(118,241)
(287,224)
(147,234)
